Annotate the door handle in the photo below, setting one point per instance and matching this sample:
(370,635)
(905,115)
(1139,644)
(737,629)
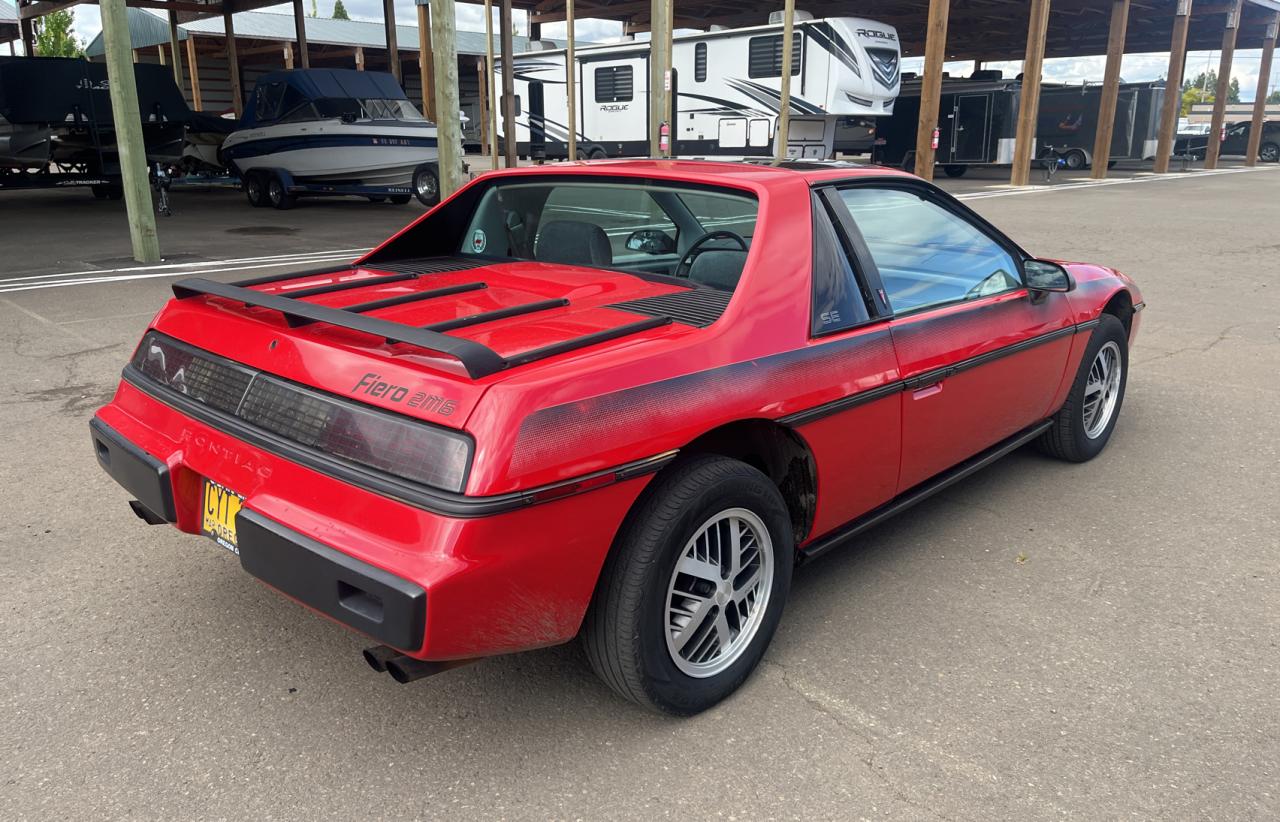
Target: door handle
(927,391)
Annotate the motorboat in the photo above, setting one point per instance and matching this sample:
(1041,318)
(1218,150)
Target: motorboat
(332,131)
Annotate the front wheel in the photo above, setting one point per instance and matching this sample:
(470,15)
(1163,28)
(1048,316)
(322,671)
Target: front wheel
(1082,428)
(1269,152)
(693,588)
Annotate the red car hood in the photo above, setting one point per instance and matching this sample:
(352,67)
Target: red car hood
(348,363)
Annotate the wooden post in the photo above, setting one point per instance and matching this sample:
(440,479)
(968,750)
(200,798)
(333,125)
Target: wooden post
(508,85)
(27,33)
(393,52)
(935,53)
(1173,87)
(300,34)
(571,82)
(128,126)
(1029,99)
(1110,89)
(1214,149)
(1260,96)
(175,50)
(160,54)
(288,55)
(482,81)
(233,63)
(448,124)
(659,63)
(784,95)
(193,69)
(426,62)
(669,91)
(494,102)
(359,58)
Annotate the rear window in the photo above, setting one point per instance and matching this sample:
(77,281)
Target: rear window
(640,227)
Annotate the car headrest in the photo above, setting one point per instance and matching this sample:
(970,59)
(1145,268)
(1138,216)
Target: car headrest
(718,268)
(574,243)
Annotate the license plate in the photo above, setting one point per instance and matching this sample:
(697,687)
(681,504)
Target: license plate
(220,506)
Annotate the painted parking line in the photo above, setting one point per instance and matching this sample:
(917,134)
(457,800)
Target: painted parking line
(1073,185)
(180,273)
(194,264)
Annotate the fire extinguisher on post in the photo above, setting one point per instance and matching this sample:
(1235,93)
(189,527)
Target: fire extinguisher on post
(933,142)
(1222,133)
(664,138)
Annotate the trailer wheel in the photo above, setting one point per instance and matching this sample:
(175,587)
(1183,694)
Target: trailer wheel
(100,192)
(426,185)
(254,189)
(581,154)
(1075,160)
(400,199)
(277,196)
(954,170)
(597,153)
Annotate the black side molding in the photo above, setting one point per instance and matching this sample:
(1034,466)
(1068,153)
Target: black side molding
(384,606)
(922,491)
(139,473)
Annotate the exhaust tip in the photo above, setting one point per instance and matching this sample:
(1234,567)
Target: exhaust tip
(378,656)
(406,669)
(145,514)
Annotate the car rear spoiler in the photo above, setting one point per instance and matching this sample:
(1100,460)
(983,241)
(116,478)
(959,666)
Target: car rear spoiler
(478,360)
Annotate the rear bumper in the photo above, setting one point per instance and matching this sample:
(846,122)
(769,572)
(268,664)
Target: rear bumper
(434,586)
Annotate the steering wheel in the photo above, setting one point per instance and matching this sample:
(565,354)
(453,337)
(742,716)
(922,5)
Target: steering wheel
(686,262)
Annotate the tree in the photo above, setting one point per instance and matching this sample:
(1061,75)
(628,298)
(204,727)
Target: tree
(1274,97)
(54,37)
(340,11)
(1233,93)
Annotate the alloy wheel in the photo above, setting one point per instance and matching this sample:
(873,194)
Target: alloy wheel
(1102,390)
(719,592)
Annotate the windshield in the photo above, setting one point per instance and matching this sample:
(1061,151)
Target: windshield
(699,234)
(369,109)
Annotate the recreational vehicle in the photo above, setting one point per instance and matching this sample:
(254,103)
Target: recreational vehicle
(978,122)
(725,91)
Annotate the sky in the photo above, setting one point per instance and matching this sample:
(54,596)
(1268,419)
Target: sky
(1136,67)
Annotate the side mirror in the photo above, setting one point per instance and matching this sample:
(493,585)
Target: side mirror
(651,241)
(1046,276)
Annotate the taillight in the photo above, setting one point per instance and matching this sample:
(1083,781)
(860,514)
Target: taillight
(389,443)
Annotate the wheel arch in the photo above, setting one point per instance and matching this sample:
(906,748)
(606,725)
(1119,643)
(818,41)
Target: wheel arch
(1120,306)
(777,451)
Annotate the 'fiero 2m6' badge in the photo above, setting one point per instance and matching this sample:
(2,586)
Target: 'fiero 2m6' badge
(374,386)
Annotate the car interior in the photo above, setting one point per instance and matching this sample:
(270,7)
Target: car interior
(698,235)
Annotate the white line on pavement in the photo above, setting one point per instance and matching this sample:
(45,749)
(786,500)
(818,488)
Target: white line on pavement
(1075,186)
(300,256)
(127,277)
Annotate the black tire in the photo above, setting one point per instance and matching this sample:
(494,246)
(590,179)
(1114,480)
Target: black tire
(624,630)
(1075,160)
(255,189)
(953,170)
(277,196)
(909,163)
(597,153)
(1067,439)
(426,185)
(581,154)
(1269,153)
(400,199)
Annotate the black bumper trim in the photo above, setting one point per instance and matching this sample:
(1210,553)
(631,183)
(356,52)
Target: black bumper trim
(139,473)
(362,596)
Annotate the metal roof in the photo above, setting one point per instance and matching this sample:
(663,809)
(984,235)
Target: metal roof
(263,25)
(8,21)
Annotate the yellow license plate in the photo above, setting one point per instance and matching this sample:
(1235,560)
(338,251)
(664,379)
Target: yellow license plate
(220,506)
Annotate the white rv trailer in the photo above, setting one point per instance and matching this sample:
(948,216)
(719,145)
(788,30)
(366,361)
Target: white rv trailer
(725,86)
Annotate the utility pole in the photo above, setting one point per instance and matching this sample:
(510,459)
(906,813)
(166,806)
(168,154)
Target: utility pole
(780,139)
(444,51)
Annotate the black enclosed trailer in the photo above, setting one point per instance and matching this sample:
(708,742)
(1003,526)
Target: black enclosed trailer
(57,128)
(978,122)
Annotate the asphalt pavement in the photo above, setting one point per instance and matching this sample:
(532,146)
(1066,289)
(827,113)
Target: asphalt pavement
(1040,641)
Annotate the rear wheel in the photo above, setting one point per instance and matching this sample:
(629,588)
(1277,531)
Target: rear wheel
(953,170)
(278,196)
(694,587)
(255,189)
(1082,428)
(597,153)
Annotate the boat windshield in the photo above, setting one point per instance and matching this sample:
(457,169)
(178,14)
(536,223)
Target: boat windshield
(369,109)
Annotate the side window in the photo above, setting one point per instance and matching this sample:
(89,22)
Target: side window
(716,212)
(267,105)
(927,255)
(614,84)
(764,56)
(700,63)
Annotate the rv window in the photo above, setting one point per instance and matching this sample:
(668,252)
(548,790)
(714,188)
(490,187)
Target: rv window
(927,255)
(614,84)
(764,56)
(700,63)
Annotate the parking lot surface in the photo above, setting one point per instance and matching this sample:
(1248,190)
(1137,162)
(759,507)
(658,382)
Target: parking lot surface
(1041,641)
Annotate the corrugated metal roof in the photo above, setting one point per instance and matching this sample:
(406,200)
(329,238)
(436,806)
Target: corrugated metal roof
(8,21)
(145,30)
(263,25)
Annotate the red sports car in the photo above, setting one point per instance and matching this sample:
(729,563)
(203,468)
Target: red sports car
(615,400)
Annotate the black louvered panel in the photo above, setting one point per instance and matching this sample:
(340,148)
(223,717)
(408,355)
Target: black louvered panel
(698,307)
(427,265)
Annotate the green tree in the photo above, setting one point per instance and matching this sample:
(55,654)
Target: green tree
(340,11)
(1233,92)
(54,37)
(314,13)
(1274,97)
(1193,95)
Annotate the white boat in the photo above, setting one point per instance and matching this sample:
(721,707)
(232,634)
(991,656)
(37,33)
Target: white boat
(333,131)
